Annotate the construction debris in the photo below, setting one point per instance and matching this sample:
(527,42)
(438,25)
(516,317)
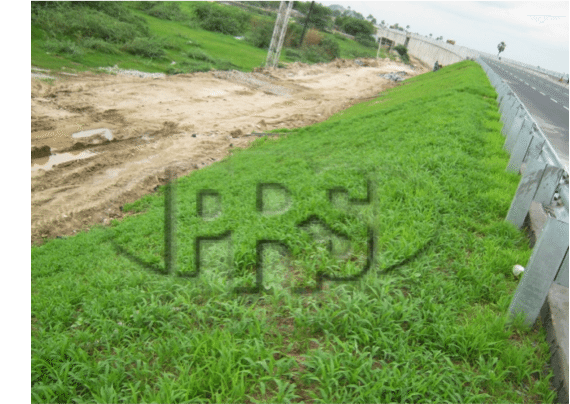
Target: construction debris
(395,76)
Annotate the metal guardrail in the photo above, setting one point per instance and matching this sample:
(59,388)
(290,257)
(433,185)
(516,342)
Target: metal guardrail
(528,66)
(522,131)
(544,181)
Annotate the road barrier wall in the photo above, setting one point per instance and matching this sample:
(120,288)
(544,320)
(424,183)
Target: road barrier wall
(426,49)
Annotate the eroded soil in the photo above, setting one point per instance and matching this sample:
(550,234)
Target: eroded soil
(181,123)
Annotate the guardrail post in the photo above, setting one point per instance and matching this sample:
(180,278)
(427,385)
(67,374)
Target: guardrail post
(503,87)
(509,116)
(562,277)
(538,184)
(508,100)
(534,150)
(511,119)
(545,263)
(515,133)
(522,147)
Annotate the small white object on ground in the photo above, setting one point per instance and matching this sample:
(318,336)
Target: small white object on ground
(517,270)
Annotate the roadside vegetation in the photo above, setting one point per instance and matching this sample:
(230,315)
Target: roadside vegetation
(165,36)
(426,323)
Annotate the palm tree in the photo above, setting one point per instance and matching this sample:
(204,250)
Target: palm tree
(501,47)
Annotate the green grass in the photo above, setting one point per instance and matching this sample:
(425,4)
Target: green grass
(425,324)
(83,39)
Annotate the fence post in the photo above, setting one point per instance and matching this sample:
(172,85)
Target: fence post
(545,263)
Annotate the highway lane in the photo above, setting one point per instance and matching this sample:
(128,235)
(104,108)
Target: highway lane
(546,101)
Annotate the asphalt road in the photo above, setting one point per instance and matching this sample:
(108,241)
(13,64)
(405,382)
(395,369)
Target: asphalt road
(546,101)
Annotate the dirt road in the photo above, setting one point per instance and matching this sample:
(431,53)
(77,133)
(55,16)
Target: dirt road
(140,127)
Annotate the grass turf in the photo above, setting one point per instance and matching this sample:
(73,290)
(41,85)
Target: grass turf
(426,323)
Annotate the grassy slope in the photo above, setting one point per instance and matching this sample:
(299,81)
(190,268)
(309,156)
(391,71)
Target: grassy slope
(109,326)
(222,47)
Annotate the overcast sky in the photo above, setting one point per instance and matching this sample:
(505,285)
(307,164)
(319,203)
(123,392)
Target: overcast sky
(481,25)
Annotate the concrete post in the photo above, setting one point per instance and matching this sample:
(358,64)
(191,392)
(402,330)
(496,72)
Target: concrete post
(279,31)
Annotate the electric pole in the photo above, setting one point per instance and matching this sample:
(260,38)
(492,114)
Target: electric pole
(279,32)
(306,22)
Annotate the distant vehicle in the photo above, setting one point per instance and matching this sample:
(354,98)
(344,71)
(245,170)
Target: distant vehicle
(451,41)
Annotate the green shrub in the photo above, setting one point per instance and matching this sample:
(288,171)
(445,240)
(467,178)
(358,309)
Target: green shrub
(147,47)
(403,52)
(192,66)
(224,65)
(314,54)
(293,35)
(218,23)
(366,40)
(200,55)
(340,37)
(331,47)
(66,47)
(219,19)
(354,26)
(77,22)
(202,10)
(260,34)
(172,70)
(164,10)
(170,43)
(356,53)
(292,54)
(145,5)
(100,45)
(112,8)
(193,43)
(200,67)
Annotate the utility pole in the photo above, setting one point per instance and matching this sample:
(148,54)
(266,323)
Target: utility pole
(306,23)
(378,52)
(279,32)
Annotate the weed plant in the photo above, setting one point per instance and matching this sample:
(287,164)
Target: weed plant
(426,323)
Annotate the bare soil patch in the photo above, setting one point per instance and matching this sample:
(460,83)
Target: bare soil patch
(182,123)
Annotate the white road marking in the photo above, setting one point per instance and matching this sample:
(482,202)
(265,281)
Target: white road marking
(526,83)
(552,99)
(566,108)
(542,93)
(534,88)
